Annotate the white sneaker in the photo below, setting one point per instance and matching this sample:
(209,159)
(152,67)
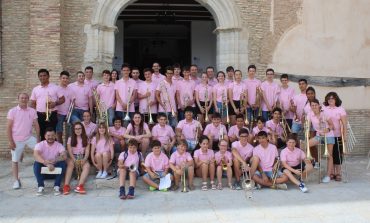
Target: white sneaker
(326,179)
(104,175)
(56,190)
(303,188)
(40,191)
(17,184)
(98,176)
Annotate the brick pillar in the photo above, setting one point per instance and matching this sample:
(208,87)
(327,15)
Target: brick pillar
(45,39)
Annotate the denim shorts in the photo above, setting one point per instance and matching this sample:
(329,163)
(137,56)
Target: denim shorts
(160,173)
(268,173)
(296,127)
(329,140)
(60,122)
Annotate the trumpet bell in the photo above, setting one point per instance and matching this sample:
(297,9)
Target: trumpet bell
(132,168)
(127,117)
(249,184)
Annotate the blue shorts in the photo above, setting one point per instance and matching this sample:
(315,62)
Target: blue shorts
(61,119)
(191,144)
(160,173)
(296,127)
(268,173)
(321,139)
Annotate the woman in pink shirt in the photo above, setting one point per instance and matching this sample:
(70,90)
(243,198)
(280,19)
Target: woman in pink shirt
(338,116)
(323,126)
(294,162)
(78,150)
(220,96)
(204,159)
(140,131)
(203,94)
(114,76)
(102,152)
(224,159)
(237,93)
(181,161)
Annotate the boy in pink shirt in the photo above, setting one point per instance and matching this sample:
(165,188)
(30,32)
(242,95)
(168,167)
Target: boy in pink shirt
(230,75)
(90,127)
(252,84)
(237,93)
(164,133)
(129,163)
(224,160)
(176,74)
(215,131)
(51,154)
(264,156)
(204,159)
(189,129)
(270,94)
(212,81)
(242,152)
(156,166)
(157,77)
(286,95)
(20,120)
(294,162)
(276,128)
(233,133)
(107,96)
(181,161)
(260,127)
(297,105)
(146,94)
(89,81)
(185,92)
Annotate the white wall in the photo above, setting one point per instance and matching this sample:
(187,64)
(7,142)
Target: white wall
(118,54)
(203,44)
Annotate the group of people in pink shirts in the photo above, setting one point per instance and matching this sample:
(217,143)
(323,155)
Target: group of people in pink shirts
(209,126)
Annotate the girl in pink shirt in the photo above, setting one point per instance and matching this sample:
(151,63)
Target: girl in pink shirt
(220,101)
(140,131)
(102,152)
(181,161)
(338,116)
(224,160)
(114,76)
(204,159)
(237,93)
(78,148)
(294,161)
(203,94)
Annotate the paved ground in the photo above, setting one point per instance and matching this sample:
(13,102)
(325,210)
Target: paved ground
(333,202)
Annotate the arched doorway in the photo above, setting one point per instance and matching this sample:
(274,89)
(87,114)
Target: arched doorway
(231,37)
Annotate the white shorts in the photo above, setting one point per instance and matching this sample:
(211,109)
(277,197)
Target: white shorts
(19,147)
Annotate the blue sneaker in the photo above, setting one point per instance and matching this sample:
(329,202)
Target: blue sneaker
(122,193)
(131,193)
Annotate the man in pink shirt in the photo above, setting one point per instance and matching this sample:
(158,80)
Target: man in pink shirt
(194,74)
(51,154)
(107,96)
(211,76)
(215,131)
(46,97)
(83,98)
(164,133)
(165,95)
(263,160)
(157,77)
(89,81)
(19,130)
(286,95)
(253,101)
(176,73)
(62,110)
(146,94)
(135,75)
(270,94)
(189,129)
(185,92)
(297,105)
(278,133)
(230,72)
(126,93)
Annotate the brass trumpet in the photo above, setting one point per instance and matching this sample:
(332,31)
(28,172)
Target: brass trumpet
(223,164)
(275,172)
(243,105)
(206,119)
(149,111)
(183,176)
(47,109)
(224,102)
(132,168)
(248,183)
(307,137)
(127,117)
(78,165)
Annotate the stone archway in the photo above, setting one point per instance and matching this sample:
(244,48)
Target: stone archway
(232,38)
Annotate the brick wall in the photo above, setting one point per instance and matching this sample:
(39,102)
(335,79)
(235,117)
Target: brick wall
(360,124)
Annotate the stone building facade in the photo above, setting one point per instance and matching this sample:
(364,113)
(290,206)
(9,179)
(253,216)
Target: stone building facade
(70,34)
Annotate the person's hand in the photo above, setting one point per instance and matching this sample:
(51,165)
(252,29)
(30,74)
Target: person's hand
(153,175)
(178,171)
(298,172)
(52,104)
(12,145)
(51,167)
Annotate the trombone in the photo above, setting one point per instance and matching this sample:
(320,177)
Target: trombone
(169,102)
(127,117)
(47,109)
(70,110)
(275,172)
(243,105)
(224,102)
(183,176)
(248,184)
(323,128)
(206,119)
(149,110)
(307,137)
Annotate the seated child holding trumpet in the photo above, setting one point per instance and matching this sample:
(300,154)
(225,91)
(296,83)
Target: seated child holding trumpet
(129,162)
(156,166)
(182,164)
(224,162)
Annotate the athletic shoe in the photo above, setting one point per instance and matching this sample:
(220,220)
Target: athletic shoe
(317,165)
(98,176)
(282,186)
(66,189)
(17,184)
(80,189)
(56,190)
(303,188)
(152,188)
(122,193)
(164,190)
(104,175)
(131,193)
(237,185)
(40,191)
(326,179)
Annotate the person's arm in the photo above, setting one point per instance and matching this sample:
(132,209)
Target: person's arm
(238,157)
(343,119)
(93,154)
(158,97)
(70,153)
(214,96)
(37,129)
(231,95)
(178,99)
(133,96)
(91,104)
(60,101)
(119,99)
(87,152)
(38,158)
(9,127)
(33,104)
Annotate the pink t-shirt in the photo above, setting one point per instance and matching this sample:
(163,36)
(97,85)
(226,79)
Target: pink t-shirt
(188,129)
(175,79)
(185,89)
(22,122)
(256,130)
(121,131)
(220,92)
(132,158)
(196,80)
(307,108)
(228,157)
(272,91)
(244,151)
(335,114)
(78,149)
(102,146)
(163,134)
(91,83)
(214,131)
(68,95)
(130,131)
(167,91)
(234,131)
(49,152)
(252,85)
(237,89)
(125,89)
(212,82)
(90,129)
(40,93)
(229,81)
(201,89)
(300,101)
(81,93)
(107,94)
(319,124)
(158,78)
(266,155)
(286,94)
(143,88)
(275,127)
(204,156)
(157,163)
(292,158)
(177,159)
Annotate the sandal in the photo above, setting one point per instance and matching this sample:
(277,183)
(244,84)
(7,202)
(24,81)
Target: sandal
(338,177)
(231,186)
(213,185)
(219,186)
(204,186)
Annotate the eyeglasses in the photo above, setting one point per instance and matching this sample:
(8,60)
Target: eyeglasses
(243,136)
(78,128)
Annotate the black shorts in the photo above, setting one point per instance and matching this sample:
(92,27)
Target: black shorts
(202,103)
(338,151)
(231,109)
(297,167)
